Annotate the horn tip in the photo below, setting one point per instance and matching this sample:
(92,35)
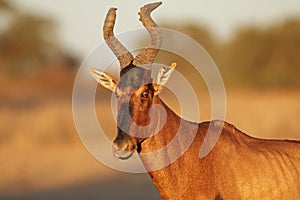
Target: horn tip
(156,4)
(112,9)
(151,6)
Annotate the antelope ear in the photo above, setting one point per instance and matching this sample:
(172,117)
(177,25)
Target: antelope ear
(162,77)
(103,78)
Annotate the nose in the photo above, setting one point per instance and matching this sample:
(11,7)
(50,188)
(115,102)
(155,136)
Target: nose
(123,147)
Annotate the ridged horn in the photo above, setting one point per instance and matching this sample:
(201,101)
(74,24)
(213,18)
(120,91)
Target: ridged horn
(147,55)
(123,55)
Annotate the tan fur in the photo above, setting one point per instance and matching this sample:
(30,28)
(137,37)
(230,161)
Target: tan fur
(239,166)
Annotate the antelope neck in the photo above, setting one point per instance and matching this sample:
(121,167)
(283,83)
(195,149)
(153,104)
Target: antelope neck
(162,137)
(170,142)
(162,167)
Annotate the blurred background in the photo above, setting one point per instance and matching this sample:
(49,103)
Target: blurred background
(42,44)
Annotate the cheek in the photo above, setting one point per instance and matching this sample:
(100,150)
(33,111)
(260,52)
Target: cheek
(142,119)
(141,113)
(144,105)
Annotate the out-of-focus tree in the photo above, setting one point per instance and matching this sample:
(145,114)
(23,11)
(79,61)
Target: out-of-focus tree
(254,56)
(199,33)
(202,36)
(26,41)
(265,57)
(4,5)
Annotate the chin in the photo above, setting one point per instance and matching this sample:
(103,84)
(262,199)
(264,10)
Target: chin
(123,155)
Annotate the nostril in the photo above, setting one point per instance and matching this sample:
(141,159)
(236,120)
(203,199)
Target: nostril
(125,147)
(115,142)
(123,150)
(132,147)
(120,147)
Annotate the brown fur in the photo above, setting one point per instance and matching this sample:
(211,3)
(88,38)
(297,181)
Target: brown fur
(238,167)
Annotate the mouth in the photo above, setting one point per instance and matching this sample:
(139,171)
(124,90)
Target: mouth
(123,153)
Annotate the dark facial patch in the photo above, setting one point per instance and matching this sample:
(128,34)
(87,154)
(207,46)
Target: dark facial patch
(134,77)
(218,197)
(124,118)
(133,82)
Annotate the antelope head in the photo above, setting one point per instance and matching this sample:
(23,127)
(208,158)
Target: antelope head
(135,91)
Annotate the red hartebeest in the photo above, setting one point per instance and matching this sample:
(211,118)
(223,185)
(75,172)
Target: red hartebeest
(238,167)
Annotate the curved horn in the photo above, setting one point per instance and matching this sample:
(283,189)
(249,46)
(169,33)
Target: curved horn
(147,56)
(123,55)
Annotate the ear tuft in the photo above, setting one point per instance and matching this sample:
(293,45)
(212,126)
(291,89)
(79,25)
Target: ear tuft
(103,78)
(163,76)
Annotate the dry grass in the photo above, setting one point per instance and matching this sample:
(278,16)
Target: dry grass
(267,114)
(40,149)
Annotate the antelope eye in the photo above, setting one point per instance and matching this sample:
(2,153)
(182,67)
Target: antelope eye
(145,95)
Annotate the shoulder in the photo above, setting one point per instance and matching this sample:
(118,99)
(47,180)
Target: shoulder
(223,126)
(224,132)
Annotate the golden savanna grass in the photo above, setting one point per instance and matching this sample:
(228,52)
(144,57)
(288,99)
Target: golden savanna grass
(40,148)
